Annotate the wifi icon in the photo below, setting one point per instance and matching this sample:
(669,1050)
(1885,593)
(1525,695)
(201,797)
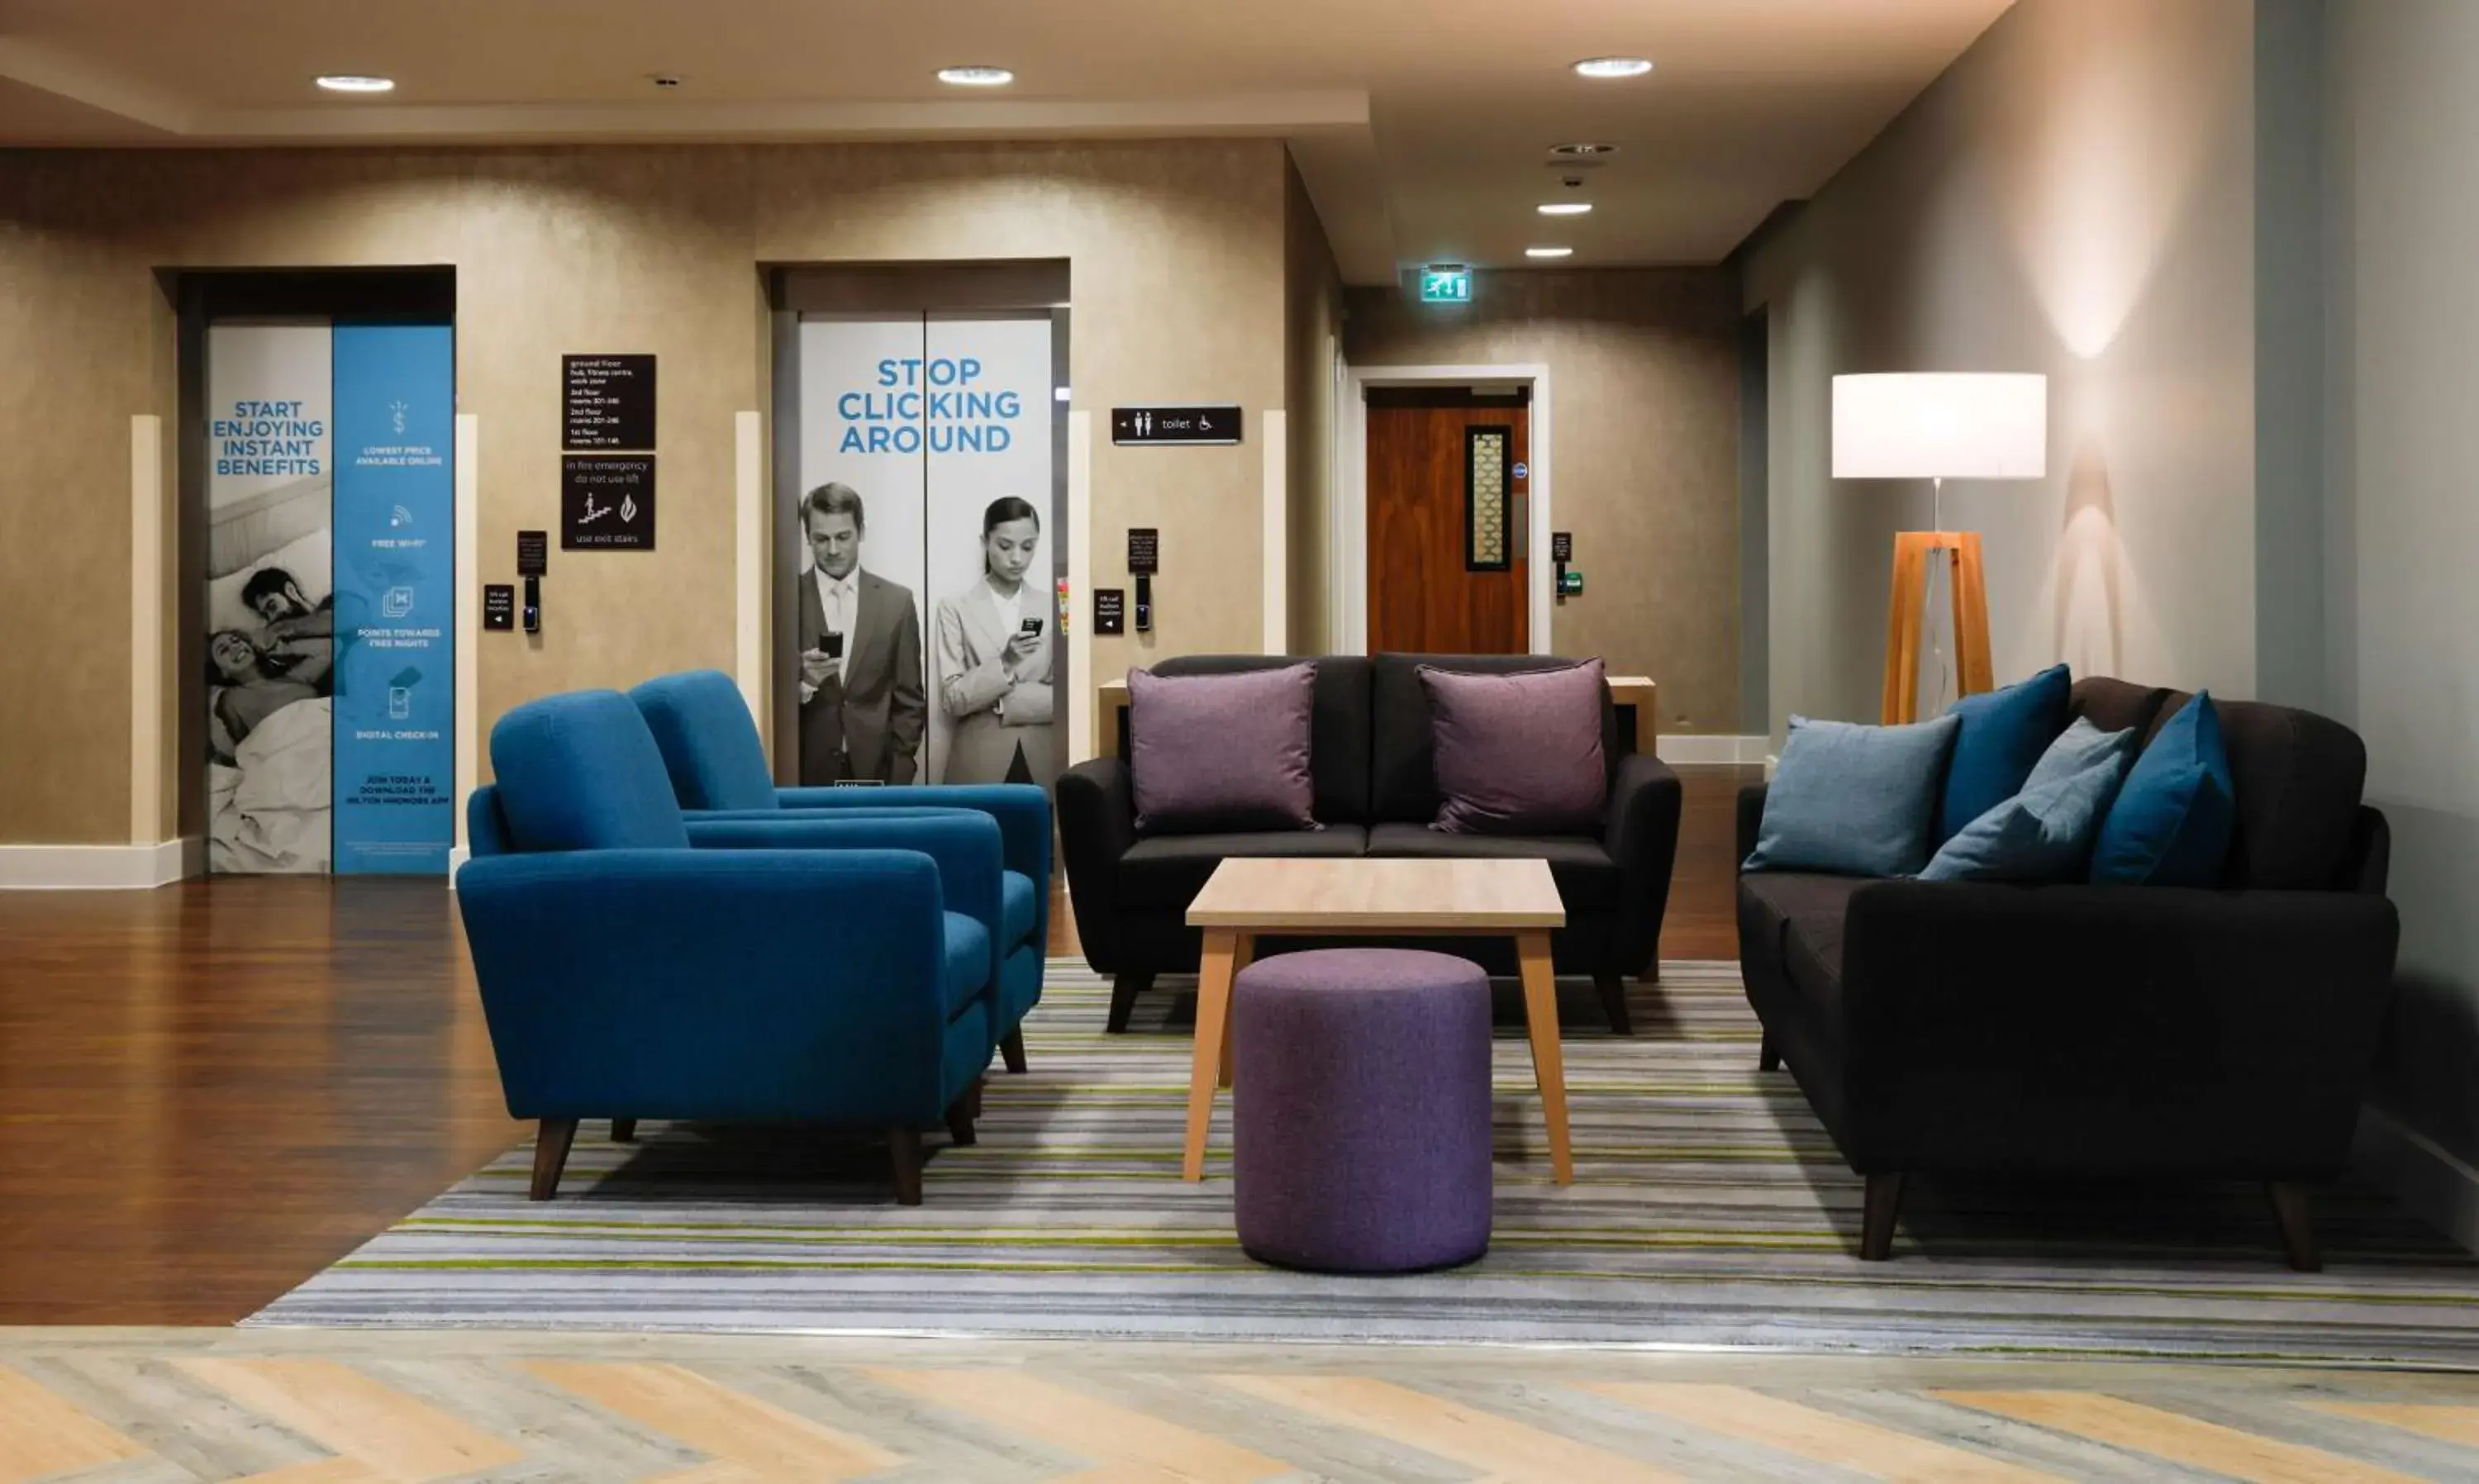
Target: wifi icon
(400,518)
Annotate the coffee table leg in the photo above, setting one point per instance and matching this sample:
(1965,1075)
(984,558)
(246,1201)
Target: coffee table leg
(1243,953)
(1548,1061)
(1212,1015)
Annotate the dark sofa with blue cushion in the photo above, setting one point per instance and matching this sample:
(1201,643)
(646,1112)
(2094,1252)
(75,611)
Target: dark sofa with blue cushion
(1967,1029)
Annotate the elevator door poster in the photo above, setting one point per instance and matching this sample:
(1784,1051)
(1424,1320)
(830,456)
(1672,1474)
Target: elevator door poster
(330,533)
(395,504)
(270,642)
(929,556)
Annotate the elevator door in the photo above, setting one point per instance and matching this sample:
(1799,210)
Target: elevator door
(1447,566)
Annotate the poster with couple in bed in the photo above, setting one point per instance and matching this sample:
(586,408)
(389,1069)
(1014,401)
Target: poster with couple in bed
(330,668)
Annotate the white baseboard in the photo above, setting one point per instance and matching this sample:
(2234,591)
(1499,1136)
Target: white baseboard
(2422,1175)
(457,856)
(1700,746)
(100,867)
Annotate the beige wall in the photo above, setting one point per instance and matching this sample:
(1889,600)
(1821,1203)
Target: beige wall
(1312,340)
(1644,373)
(1177,257)
(2074,196)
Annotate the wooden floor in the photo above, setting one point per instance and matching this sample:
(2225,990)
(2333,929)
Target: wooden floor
(356,1407)
(211,1092)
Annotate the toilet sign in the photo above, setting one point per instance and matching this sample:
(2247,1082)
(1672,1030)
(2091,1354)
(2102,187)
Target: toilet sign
(1174,427)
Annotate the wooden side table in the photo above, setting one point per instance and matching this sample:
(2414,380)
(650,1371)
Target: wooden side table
(1374,898)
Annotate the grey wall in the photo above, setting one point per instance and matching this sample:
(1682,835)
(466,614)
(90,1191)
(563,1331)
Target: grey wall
(2401,524)
(2074,196)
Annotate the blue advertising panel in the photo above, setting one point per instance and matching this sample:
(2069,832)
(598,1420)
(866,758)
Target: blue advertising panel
(396,592)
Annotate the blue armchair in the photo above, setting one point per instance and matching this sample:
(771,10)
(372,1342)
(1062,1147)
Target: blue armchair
(634,963)
(718,770)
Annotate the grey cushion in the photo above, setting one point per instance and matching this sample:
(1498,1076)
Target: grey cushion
(1854,800)
(2043,834)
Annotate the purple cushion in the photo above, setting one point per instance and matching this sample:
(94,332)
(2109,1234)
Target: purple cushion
(1519,753)
(1212,753)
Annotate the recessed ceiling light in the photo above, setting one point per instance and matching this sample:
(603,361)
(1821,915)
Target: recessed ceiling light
(1546,252)
(353,82)
(1613,66)
(1582,150)
(1564,208)
(976,77)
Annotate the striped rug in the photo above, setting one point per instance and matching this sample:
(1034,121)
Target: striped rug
(1709,1208)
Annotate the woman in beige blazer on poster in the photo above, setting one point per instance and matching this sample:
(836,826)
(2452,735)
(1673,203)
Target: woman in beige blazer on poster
(994,658)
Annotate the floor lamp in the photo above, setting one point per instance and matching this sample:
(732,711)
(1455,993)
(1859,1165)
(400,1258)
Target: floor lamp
(1938,426)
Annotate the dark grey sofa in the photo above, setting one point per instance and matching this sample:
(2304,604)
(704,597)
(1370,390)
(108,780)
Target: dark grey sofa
(2081,1030)
(1372,764)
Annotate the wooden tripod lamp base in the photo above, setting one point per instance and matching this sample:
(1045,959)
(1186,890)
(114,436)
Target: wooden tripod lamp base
(1906,628)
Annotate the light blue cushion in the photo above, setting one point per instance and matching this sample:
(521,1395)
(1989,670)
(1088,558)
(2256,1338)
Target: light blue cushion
(709,744)
(2043,834)
(580,772)
(1017,913)
(968,962)
(2079,746)
(2171,824)
(2004,733)
(1852,800)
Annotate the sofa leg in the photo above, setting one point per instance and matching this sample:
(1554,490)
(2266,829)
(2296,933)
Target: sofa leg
(551,1156)
(1768,1058)
(904,1153)
(624,1131)
(2295,1211)
(1011,1047)
(960,1120)
(974,1095)
(1883,1202)
(1613,990)
(1652,974)
(1124,989)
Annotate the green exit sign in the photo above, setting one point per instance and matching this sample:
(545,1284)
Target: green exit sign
(1445,283)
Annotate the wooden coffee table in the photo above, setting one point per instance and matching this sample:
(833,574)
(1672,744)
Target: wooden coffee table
(1365,898)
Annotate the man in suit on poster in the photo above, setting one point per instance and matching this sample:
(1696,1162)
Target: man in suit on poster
(863,702)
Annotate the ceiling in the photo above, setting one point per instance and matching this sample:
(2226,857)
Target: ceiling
(1422,126)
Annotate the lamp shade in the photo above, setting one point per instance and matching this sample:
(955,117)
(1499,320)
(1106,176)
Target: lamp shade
(1941,425)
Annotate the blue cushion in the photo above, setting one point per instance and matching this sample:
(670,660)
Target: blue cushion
(2004,733)
(2041,834)
(709,744)
(968,962)
(2171,824)
(580,772)
(1853,799)
(1016,915)
(2082,745)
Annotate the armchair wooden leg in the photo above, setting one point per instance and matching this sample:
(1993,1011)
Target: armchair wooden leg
(960,1120)
(1768,1058)
(1883,1202)
(2295,1211)
(1613,991)
(980,1083)
(1011,1047)
(551,1155)
(624,1131)
(904,1153)
(1124,989)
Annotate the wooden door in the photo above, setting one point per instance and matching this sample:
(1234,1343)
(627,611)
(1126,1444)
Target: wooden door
(1445,510)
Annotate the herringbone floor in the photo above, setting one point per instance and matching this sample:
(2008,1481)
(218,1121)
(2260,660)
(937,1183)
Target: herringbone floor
(159,1406)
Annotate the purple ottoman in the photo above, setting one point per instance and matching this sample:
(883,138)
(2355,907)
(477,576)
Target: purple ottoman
(1359,1109)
